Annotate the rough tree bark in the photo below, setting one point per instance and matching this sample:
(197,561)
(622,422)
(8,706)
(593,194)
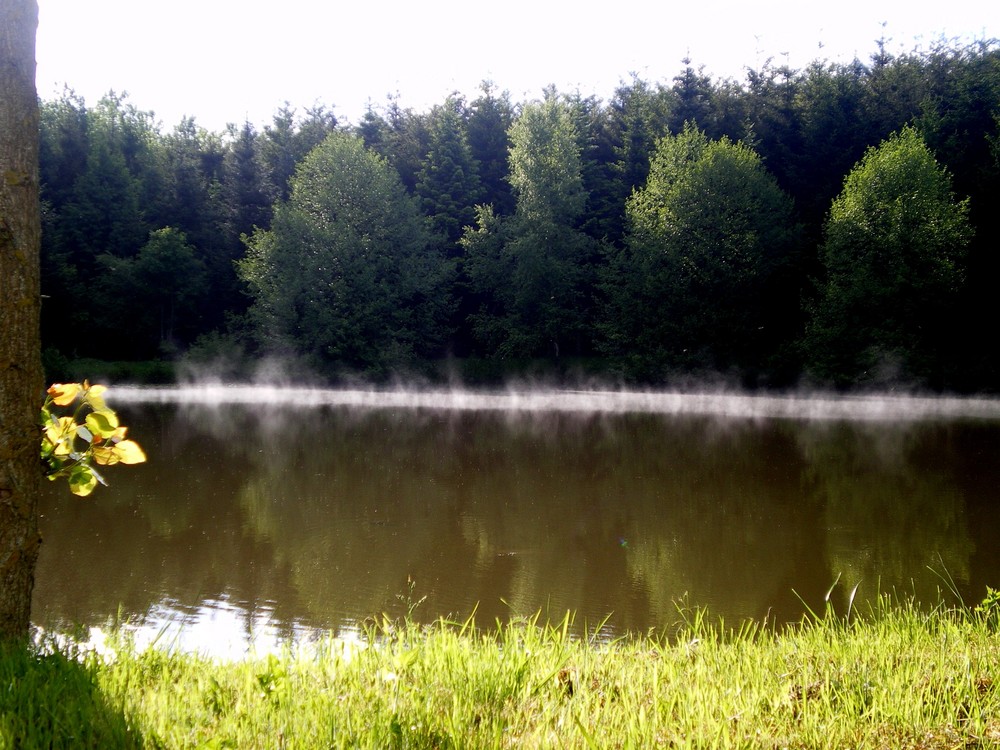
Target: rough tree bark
(20,360)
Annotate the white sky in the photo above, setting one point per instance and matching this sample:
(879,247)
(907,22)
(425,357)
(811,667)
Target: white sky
(228,60)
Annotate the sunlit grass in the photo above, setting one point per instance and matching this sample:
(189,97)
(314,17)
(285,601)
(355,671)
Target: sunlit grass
(898,676)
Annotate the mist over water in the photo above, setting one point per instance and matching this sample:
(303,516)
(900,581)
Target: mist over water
(539,400)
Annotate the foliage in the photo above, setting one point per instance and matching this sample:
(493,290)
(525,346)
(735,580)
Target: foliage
(531,269)
(286,142)
(710,235)
(448,182)
(489,119)
(89,434)
(160,289)
(893,259)
(348,274)
(545,163)
(400,136)
(110,178)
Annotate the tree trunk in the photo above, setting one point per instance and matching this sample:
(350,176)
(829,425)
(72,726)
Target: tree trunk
(20,361)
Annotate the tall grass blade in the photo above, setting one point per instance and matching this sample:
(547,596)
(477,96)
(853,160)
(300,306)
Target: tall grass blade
(850,601)
(587,736)
(949,582)
(829,591)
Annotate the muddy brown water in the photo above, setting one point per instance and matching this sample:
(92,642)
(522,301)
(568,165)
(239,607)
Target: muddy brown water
(253,523)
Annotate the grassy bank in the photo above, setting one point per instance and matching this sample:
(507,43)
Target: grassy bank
(899,677)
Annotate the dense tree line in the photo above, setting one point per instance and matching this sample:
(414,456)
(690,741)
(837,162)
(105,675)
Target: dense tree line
(836,223)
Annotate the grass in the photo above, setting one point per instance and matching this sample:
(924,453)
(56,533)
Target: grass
(896,677)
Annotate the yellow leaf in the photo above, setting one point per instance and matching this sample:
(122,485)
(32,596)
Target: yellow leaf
(61,435)
(103,423)
(130,452)
(64,394)
(94,397)
(124,451)
(105,455)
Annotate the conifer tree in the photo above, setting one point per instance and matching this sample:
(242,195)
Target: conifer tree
(448,182)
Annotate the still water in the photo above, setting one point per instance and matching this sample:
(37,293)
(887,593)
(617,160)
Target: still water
(264,516)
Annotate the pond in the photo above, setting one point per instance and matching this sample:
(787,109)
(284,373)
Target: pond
(265,515)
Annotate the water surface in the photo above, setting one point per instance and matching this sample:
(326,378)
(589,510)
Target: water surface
(286,513)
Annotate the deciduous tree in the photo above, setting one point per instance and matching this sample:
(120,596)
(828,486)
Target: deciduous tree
(534,266)
(348,273)
(893,259)
(703,281)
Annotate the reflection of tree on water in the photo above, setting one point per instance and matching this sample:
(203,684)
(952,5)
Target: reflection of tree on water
(561,512)
(352,507)
(318,515)
(892,509)
(720,518)
(168,529)
(473,507)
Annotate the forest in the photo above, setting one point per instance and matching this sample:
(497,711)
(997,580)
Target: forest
(832,226)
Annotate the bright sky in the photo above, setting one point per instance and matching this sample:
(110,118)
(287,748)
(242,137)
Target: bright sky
(228,60)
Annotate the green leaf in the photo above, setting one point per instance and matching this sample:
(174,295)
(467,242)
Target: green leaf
(82,481)
(102,423)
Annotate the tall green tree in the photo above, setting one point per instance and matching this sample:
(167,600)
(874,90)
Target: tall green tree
(348,274)
(960,120)
(536,266)
(706,280)
(827,138)
(246,200)
(490,116)
(161,292)
(605,206)
(893,259)
(896,87)
(107,211)
(774,120)
(189,196)
(639,116)
(20,363)
(448,182)
(400,135)
(63,155)
(63,146)
(691,98)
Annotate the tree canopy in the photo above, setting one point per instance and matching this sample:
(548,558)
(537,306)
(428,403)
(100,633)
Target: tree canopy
(565,231)
(698,286)
(893,259)
(348,273)
(531,268)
